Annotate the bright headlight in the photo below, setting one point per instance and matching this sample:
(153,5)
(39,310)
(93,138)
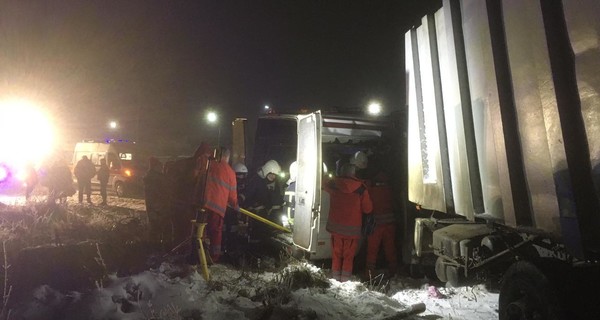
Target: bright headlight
(27,134)
(21,175)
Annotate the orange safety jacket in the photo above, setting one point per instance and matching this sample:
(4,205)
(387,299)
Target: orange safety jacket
(349,200)
(380,191)
(221,188)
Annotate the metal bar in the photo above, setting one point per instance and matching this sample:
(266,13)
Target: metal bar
(263,220)
(562,62)
(508,112)
(467,108)
(441,119)
(503,252)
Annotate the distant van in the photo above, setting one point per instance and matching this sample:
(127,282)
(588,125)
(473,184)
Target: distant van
(127,167)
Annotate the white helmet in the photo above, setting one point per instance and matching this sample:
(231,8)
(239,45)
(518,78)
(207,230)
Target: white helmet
(360,160)
(293,172)
(270,166)
(240,168)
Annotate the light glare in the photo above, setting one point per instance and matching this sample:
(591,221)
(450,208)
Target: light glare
(374,108)
(211,117)
(26,134)
(3,173)
(285,221)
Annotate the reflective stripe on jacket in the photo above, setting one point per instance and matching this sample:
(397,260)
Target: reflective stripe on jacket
(349,199)
(221,188)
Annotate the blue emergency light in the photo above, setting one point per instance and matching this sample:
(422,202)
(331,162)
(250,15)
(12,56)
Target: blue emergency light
(4,173)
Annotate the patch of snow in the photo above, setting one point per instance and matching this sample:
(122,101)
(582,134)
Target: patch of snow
(175,291)
(226,297)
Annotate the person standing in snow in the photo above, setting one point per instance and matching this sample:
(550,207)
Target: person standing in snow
(59,182)
(84,171)
(264,191)
(384,233)
(360,160)
(182,175)
(103,175)
(263,195)
(232,217)
(219,192)
(349,199)
(157,201)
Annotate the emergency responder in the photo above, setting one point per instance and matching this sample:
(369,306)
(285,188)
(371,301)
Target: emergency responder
(349,200)
(220,191)
(263,195)
(157,202)
(84,171)
(361,161)
(264,191)
(103,175)
(384,233)
(232,217)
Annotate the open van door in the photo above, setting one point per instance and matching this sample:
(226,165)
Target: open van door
(308,184)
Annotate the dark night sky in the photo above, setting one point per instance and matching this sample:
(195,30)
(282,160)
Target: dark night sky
(167,62)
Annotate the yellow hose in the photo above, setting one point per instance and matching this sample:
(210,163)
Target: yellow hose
(263,220)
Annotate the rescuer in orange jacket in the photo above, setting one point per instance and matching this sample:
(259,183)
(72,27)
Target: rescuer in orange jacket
(349,200)
(384,233)
(221,190)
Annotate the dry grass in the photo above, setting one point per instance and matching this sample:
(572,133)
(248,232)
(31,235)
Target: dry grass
(6,288)
(296,276)
(39,224)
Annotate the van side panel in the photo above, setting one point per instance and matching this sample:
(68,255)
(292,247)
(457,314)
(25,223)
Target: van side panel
(308,195)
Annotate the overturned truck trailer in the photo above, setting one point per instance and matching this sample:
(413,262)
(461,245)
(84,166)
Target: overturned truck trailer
(504,146)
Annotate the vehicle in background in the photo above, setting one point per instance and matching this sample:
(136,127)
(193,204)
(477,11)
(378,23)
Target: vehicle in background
(127,166)
(503,150)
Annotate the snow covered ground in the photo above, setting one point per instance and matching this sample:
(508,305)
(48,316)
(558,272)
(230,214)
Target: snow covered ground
(233,294)
(174,291)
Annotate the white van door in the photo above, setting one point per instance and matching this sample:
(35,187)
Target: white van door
(308,182)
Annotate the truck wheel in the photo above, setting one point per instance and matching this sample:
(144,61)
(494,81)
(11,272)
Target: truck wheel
(120,189)
(527,293)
